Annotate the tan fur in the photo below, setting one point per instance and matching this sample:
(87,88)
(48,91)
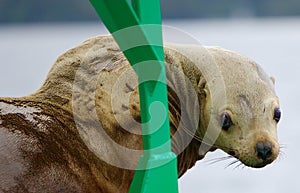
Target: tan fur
(58,143)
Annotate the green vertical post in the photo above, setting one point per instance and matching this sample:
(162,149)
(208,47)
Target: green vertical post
(139,24)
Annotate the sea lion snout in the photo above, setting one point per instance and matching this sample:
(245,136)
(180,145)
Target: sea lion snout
(259,149)
(264,150)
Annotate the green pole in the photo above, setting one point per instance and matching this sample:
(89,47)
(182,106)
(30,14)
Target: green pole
(137,30)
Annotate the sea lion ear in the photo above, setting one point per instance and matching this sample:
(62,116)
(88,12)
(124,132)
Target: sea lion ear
(202,88)
(272,79)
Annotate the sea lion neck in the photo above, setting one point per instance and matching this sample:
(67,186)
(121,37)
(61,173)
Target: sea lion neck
(57,88)
(185,101)
(59,85)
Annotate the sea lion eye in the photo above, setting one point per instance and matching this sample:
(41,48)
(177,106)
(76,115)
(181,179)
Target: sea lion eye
(277,114)
(225,121)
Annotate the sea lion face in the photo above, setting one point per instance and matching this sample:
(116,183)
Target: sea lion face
(248,121)
(249,132)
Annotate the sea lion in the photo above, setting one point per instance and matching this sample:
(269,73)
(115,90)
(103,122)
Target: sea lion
(50,141)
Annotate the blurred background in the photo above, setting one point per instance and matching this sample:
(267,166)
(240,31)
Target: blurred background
(79,10)
(33,33)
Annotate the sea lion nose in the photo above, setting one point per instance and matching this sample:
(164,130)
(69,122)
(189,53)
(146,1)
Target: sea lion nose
(264,150)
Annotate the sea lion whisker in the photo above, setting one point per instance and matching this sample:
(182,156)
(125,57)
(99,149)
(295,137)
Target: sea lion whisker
(232,163)
(195,136)
(281,155)
(281,152)
(221,158)
(282,146)
(216,160)
(206,143)
(238,166)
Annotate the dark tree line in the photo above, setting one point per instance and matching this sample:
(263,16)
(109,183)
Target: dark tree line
(81,10)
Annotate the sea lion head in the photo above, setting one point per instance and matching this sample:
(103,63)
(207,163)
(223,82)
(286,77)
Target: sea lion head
(248,119)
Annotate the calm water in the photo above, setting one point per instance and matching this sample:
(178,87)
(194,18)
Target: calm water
(28,51)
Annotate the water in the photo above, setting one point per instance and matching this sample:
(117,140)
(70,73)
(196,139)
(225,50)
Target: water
(28,51)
